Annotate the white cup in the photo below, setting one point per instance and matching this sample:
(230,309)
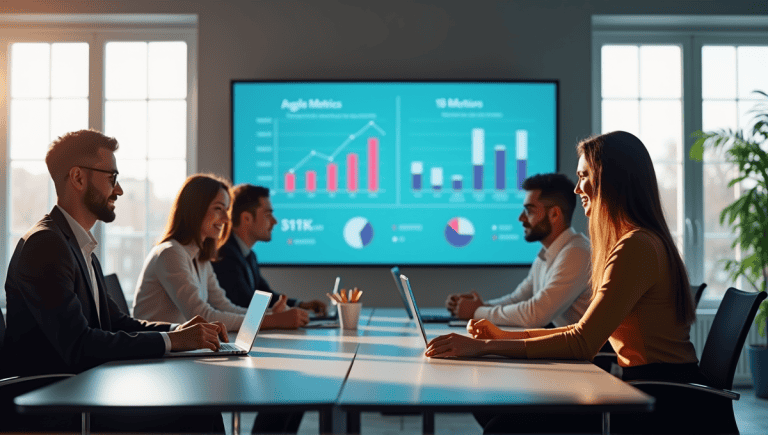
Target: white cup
(349,314)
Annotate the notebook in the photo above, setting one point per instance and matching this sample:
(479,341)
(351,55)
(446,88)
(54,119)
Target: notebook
(331,320)
(435,318)
(245,337)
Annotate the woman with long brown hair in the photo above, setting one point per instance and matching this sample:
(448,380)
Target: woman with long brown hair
(641,300)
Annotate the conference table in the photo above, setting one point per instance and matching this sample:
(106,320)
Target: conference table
(378,367)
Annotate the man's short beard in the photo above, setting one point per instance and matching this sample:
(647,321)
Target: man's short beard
(539,232)
(98,205)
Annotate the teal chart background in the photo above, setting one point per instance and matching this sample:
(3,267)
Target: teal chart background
(394,172)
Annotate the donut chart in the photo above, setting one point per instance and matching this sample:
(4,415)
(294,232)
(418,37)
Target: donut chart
(459,232)
(358,232)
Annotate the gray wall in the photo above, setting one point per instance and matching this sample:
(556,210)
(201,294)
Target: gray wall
(283,39)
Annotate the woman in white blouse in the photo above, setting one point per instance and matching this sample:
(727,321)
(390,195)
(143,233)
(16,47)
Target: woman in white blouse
(177,281)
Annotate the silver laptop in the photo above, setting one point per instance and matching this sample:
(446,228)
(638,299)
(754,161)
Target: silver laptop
(412,303)
(331,320)
(245,337)
(434,318)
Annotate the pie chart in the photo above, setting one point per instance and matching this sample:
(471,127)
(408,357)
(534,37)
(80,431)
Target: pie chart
(358,232)
(459,232)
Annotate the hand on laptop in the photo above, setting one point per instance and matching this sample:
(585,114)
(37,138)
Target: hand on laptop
(454,345)
(318,307)
(223,336)
(466,305)
(293,318)
(197,336)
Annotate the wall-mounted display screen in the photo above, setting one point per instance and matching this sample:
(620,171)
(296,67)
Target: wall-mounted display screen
(383,173)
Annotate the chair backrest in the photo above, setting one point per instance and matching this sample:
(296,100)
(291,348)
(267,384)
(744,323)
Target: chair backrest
(2,331)
(115,291)
(727,335)
(697,291)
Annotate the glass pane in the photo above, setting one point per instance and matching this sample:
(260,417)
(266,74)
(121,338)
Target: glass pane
(69,70)
(130,208)
(126,70)
(124,255)
(660,71)
(127,121)
(717,194)
(29,121)
(30,70)
(752,67)
(661,129)
(168,69)
(717,279)
(165,180)
(718,72)
(718,114)
(29,195)
(621,115)
(168,129)
(668,180)
(619,71)
(746,116)
(68,115)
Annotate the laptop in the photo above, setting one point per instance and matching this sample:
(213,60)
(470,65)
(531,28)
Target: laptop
(406,285)
(435,318)
(245,337)
(330,320)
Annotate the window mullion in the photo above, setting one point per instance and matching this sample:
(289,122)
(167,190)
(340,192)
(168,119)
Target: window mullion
(96,109)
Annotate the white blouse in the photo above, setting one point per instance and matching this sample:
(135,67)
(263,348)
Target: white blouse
(174,286)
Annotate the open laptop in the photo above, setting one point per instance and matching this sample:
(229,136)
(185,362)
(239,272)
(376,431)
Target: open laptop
(330,320)
(245,337)
(435,318)
(406,285)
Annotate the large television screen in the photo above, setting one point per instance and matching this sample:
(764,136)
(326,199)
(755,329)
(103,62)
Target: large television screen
(394,172)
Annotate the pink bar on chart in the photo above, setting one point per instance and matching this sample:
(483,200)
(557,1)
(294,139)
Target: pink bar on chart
(332,177)
(311,181)
(352,172)
(373,164)
(290,181)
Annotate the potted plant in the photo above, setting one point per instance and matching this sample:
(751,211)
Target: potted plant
(748,216)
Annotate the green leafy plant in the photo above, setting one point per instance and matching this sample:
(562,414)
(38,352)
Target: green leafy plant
(747,215)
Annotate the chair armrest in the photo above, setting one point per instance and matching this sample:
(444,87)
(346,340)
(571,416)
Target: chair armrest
(17,379)
(728,394)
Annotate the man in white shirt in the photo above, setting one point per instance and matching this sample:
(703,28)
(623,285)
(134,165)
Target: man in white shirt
(556,288)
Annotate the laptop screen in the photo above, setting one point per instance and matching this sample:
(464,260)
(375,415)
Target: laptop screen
(414,308)
(252,322)
(396,276)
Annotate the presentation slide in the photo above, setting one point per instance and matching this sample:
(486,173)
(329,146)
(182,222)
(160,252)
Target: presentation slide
(394,173)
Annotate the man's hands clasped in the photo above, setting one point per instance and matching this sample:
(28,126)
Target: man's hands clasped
(464,305)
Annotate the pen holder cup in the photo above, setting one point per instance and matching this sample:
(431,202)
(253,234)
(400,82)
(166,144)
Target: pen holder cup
(349,314)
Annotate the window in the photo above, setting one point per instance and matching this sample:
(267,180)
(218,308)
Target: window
(663,85)
(134,82)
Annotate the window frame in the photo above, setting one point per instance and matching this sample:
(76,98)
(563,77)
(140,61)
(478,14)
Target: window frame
(96,30)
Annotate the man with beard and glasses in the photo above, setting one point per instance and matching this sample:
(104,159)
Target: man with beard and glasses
(60,318)
(555,292)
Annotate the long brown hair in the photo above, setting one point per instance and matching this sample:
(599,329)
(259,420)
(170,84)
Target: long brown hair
(189,209)
(626,197)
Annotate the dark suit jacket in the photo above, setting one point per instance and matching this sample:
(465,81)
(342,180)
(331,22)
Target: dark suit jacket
(53,326)
(232,273)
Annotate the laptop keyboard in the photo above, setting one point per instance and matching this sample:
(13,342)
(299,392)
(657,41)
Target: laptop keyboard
(229,347)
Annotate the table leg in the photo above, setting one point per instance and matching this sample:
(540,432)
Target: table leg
(606,423)
(428,423)
(236,423)
(86,423)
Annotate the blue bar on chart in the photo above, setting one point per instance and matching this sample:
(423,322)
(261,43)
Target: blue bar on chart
(457,182)
(436,178)
(522,157)
(478,157)
(500,152)
(417,171)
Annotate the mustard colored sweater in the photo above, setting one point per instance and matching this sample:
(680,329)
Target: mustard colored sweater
(634,309)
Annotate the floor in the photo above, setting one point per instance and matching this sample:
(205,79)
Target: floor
(751,415)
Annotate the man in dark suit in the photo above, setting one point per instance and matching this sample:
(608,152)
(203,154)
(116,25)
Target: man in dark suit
(238,269)
(60,318)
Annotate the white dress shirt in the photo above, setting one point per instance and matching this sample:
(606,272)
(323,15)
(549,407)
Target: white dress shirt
(556,289)
(174,286)
(88,244)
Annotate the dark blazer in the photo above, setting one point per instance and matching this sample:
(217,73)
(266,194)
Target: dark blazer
(53,326)
(232,273)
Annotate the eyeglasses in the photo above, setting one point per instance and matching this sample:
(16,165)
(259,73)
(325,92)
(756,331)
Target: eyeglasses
(113,178)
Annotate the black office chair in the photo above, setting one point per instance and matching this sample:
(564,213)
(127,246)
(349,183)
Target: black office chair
(697,292)
(702,409)
(115,291)
(16,385)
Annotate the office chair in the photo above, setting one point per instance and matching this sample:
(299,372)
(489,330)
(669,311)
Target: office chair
(115,291)
(701,409)
(697,292)
(16,385)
